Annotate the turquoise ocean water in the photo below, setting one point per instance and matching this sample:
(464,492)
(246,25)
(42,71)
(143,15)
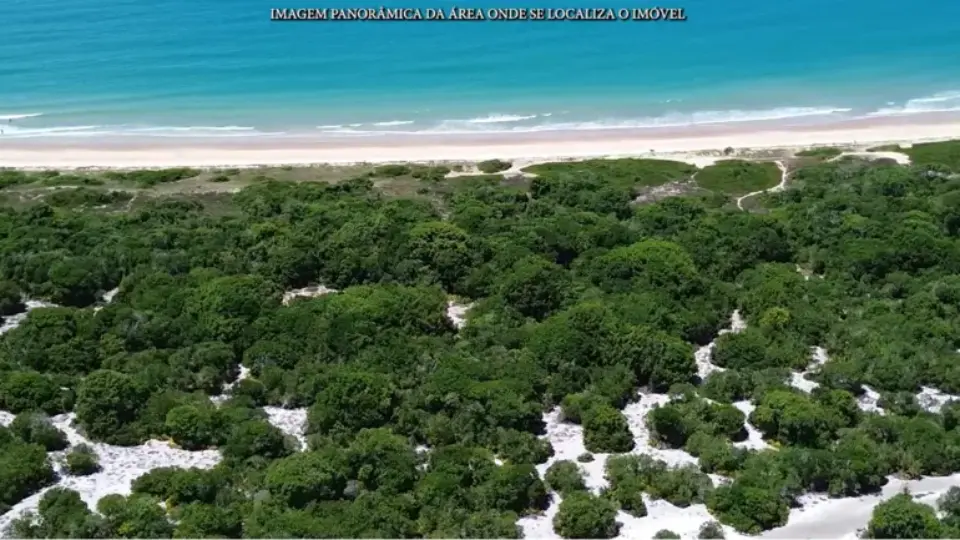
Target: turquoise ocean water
(221,67)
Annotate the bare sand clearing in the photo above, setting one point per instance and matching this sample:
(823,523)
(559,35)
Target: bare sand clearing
(688,144)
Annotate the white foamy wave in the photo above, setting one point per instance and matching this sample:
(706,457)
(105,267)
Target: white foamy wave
(17,132)
(499,119)
(939,102)
(9,117)
(394,123)
(195,128)
(494,123)
(14,131)
(194,131)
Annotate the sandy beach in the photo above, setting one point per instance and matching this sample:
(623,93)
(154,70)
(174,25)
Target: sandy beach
(129,152)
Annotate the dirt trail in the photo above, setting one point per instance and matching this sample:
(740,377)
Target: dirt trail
(778,187)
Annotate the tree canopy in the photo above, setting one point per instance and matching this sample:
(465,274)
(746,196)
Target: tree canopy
(580,297)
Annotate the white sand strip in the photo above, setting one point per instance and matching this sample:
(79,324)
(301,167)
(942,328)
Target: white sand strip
(560,145)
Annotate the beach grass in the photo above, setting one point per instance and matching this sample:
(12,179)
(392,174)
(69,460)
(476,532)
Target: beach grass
(628,171)
(738,177)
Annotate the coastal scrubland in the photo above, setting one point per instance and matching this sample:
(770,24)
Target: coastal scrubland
(943,154)
(164,316)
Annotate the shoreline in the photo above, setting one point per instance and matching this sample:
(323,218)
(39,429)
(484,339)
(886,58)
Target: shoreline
(129,153)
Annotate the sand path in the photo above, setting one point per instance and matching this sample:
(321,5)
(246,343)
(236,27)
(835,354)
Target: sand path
(778,187)
(899,157)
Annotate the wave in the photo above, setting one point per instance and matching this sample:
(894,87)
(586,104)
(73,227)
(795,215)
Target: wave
(14,131)
(499,119)
(939,102)
(494,123)
(9,117)
(18,132)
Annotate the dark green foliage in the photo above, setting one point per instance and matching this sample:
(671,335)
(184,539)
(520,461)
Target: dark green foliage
(581,298)
(535,288)
(28,390)
(582,515)
(36,428)
(108,403)
(565,477)
(665,534)
(902,517)
(149,178)
(631,475)
(493,166)
(61,514)
(302,478)
(640,172)
(82,461)
(605,430)
(11,298)
(392,170)
(24,469)
(945,154)
(674,423)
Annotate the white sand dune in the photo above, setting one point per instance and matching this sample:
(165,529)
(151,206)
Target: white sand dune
(120,467)
(457,313)
(292,422)
(306,292)
(799,379)
(822,517)
(870,401)
(704,354)
(13,321)
(933,400)
(754,437)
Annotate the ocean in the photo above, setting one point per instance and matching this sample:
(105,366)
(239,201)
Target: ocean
(183,68)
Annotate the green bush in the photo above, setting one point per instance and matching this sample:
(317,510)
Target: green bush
(82,461)
(492,166)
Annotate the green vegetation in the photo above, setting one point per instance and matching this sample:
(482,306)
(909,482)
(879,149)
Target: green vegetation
(82,461)
(886,148)
(902,517)
(36,428)
(710,530)
(392,170)
(492,166)
(565,477)
(580,298)
(583,515)
(621,172)
(148,178)
(944,154)
(738,177)
(825,152)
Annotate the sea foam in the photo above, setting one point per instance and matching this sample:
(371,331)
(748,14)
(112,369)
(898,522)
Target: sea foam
(509,122)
